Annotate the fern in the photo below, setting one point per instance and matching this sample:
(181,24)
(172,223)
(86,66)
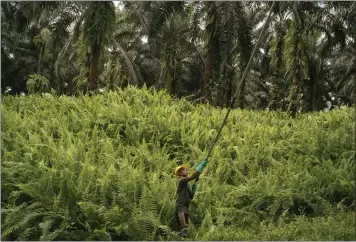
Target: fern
(148,202)
(46,227)
(101,235)
(142,226)
(67,177)
(20,219)
(114,216)
(29,234)
(51,236)
(93,213)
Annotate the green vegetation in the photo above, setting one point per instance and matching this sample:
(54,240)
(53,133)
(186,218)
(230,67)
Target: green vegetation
(100,167)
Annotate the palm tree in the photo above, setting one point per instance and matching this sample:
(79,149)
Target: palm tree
(175,45)
(166,27)
(92,29)
(99,19)
(26,37)
(228,36)
(212,49)
(126,41)
(340,21)
(244,48)
(297,57)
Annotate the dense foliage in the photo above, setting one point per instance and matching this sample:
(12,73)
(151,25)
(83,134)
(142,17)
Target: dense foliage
(100,167)
(307,61)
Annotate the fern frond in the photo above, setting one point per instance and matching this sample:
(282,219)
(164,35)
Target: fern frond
(51,236)
(143,226)
(45,227)
(16,221)
(148,202)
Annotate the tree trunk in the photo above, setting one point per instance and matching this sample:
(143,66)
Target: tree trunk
(274,94)
(209,59)
(295,91)
(244,61)
(294,95)
(241,98)
(93,71)
(228,66)
(161,78)
(208,72)
(230,77)
(310,95)
(54,80)
(229,91)
(139,76)
(39,61)
(169,81)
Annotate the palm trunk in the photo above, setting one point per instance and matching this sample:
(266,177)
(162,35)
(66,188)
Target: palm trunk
(39,61)
(169,86)
(241,98)
(294,98)
(229,75)
(274,95)
(161,78)
(229,91)
(209,59)
(295,92)
(54,80)
(208,73)
(228,66)
(295,69)
(93,70)
(87,63)
(108,75)
(52,75)
(139,76)
(244,38)
(311,102)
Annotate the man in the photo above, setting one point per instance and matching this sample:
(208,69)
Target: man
(185,194)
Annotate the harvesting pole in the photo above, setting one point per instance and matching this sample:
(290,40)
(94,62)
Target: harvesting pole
(242,79)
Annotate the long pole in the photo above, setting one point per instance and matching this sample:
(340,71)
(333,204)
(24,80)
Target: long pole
(242,80)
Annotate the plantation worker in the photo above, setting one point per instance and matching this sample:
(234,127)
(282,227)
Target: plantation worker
(185,193)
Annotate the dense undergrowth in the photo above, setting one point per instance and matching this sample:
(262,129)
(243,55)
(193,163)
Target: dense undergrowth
(101,168)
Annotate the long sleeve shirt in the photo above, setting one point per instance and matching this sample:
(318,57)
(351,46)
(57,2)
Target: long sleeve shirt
(184,192)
